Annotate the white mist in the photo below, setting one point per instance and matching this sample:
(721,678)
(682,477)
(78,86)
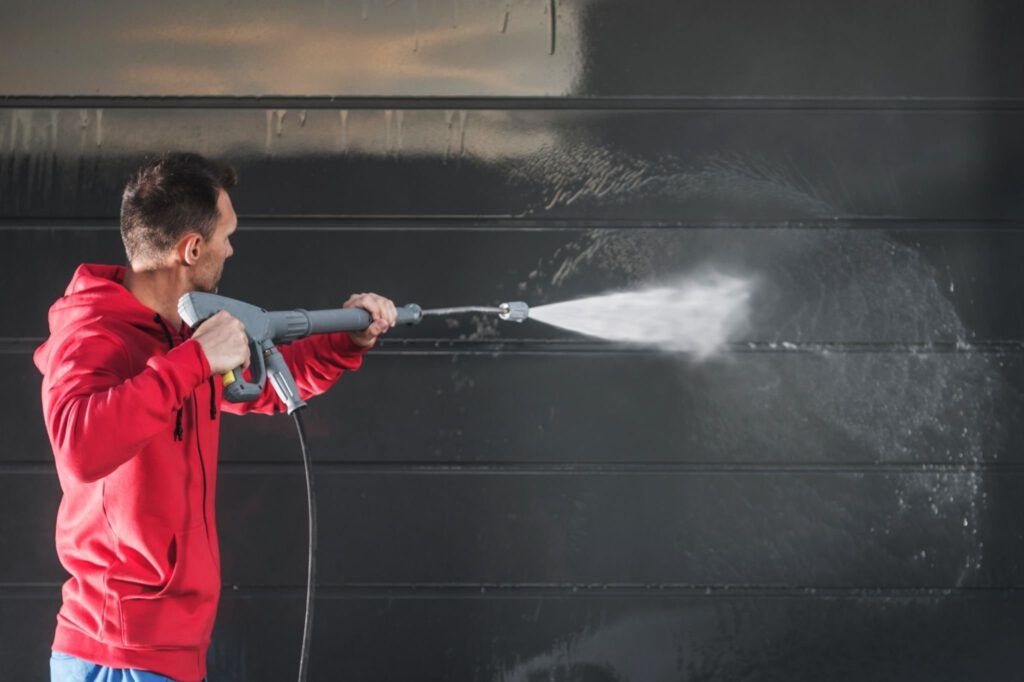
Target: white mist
(697,314)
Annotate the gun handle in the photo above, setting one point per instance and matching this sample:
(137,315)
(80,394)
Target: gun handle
(282,381)
(236,388)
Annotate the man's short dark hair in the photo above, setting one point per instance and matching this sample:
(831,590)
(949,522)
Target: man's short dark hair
(170,197)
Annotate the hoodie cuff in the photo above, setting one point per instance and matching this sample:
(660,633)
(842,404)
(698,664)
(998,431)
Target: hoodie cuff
(191,359)
(346,349)
(197,348)
(184,366)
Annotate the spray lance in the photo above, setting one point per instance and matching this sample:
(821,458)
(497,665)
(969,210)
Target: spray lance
(264,330)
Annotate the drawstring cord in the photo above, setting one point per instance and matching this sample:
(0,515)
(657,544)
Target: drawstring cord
(213,399)
(178,432)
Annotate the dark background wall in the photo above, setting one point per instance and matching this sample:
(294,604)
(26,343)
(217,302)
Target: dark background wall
(835,497)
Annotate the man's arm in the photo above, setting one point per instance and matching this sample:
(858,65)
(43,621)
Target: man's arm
(98,415)
(318,362)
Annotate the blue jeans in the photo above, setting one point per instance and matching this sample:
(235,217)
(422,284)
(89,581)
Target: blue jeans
(66,668)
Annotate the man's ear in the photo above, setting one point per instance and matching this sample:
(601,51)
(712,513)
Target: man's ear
(189,248)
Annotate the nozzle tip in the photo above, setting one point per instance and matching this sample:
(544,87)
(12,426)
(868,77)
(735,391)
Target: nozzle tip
(513,311)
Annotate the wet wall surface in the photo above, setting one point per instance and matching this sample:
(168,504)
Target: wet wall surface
(834,496)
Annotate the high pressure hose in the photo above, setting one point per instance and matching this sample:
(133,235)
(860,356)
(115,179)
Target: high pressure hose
(264,329)
(307,630)
(515,311)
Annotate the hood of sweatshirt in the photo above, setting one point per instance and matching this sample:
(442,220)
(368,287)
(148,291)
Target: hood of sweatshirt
(96,293)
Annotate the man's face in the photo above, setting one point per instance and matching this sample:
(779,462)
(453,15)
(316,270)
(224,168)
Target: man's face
(217,248)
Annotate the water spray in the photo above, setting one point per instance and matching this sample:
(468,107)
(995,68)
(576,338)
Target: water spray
(696,315)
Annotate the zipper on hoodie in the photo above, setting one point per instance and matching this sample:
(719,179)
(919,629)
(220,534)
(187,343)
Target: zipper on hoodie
(202,463)
(178,433)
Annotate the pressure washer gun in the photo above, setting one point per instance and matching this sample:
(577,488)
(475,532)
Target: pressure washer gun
(265,329)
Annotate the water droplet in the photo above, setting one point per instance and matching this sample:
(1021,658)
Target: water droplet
(22,123)
(416,25)
(463,115)
(553,11)
(343,116)
(449,119)
(54,129)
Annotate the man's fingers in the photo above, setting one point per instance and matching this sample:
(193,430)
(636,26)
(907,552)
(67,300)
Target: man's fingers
(374,307)
(382,310)
(386,309)
(352,301)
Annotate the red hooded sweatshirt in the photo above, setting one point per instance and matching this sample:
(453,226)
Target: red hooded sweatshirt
(132,414)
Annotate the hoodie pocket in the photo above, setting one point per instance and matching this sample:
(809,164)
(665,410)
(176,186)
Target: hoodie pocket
(181,613)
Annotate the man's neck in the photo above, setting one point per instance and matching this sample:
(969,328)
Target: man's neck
(159,289)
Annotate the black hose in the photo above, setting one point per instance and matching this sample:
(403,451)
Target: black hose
(307,630)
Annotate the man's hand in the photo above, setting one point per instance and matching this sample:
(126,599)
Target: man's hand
(224,342)
(381,309)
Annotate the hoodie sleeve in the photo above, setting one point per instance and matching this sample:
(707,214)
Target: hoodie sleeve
(316,363)
(98,414)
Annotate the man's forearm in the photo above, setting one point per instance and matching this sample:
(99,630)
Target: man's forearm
(94,433)
(316,363)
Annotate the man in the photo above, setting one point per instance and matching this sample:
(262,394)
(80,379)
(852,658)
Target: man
(132,402)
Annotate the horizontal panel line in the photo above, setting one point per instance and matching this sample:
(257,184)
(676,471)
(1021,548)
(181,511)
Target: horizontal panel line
(615,468)
(559,591)
(592,347)
(607,103)
(405,468)
(497,590)
(506,223)
(18,345)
